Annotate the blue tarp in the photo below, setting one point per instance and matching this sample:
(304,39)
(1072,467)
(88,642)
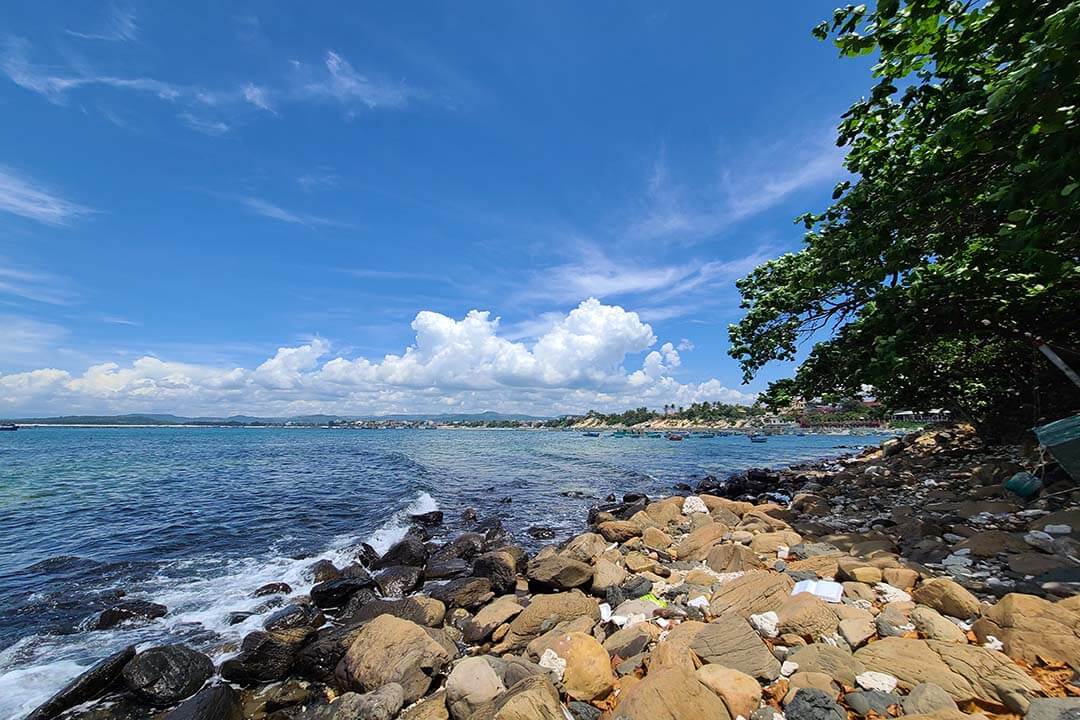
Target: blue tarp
(1061,438)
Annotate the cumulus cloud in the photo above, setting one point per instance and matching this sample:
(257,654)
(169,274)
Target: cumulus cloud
(579,362)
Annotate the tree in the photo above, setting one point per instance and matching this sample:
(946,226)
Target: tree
(956,242)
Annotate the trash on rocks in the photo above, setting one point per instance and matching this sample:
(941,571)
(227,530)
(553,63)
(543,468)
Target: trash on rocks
(649,597)
(1023,484)
(700,601)
(550,660)
(824,589)
(605,612)
(789,668)
(992,643)
(889,593)
(1058,529)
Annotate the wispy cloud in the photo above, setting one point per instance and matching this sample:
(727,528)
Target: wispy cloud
(22,196)
(206,126)
(257,96)
(276,212)
(119,26)
(26,338)
(313,181)
(344,84)
(34,285)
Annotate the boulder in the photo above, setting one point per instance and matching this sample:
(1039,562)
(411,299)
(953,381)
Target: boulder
(550,609)
(872,702)
(588,674)
(166,674)
(966,672)
(559,573)
(947,597)
(293,616)
(125,612)
(807,615)
(606,575)
(740,692)
(418,609)
(336,593)
(1055,708)
(381,704)
(399,580)
(500,568)
(768,543)
(219,702)
(835,662)
(90,684)
(927,698)
(630,641)
(432,707)
(584,548)
(729,641)
(696,545)
(732,557)
(619,531)
(656,539)
(392,650)
(411,550)
(533,698)
(539,645)
(466,593)
(856,631)
(1032,628)
(472,683)
(671,693)
(273,588)
(935,626)
(324,570)
(264,657)
(480,626)
(756,592)
(814,704)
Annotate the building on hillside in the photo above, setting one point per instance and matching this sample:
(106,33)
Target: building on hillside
(935,415)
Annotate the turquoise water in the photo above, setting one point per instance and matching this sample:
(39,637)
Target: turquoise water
(198,518)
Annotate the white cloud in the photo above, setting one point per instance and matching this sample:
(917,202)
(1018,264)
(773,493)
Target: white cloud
(120,26)
(348,86)
(34,285)
(24,338)
(26,198)
(275,212)
(257,96)
(206,126)
(578,363)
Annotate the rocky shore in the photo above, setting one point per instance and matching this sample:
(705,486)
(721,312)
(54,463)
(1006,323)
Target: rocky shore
(903,581)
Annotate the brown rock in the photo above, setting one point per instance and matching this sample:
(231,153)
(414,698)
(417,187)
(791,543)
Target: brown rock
(696,545)
(619,530)
(551,609)
(560,573)
(491,616)
(537,646)
(807,615)
(671,693)
(833,661)
(993,542)
(606,574)
(815,680)
(729,641)
(430,708)
(656,539)
(637,562)
(823,565)
(900,577)
(392,650)
(533,698)
(935,626)
(856,631)
(853,568)
(740,692)
(588,673)
(629,641)
(947,597)
(1032,628)
(584,548)
(732,557)
(767,543)
(755,592)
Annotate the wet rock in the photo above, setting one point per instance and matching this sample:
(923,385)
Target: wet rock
(296,615)
(813,704)
(336,593)
(392,650)
(466,593)
(125,612)
(431,519)
(167,674)
(265,656)
(472,683)
(90,684)
(671,693)
(464,547)
(421,610)
(583,711)
(219,702)
(541,532)
(324,570)
(318,659)
(364,554)
(274,588)
(408,551)
(399,580)
(500,567)
(440,569)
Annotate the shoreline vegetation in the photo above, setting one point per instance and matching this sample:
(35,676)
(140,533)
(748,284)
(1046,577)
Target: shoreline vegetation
(902,580)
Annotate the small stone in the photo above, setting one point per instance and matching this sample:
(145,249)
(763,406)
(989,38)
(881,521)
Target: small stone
(865,702)
(694,504)
(813,704)
(927,698)
(856,631)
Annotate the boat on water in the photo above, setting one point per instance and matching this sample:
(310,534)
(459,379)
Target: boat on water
(591,433)
(759,438)
(8,426)
(675,436)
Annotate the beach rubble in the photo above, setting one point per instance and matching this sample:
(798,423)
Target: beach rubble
(905,580)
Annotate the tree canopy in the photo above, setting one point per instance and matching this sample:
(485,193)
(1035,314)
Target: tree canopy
(955,243)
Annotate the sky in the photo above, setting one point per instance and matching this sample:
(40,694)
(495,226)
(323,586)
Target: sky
(367,208)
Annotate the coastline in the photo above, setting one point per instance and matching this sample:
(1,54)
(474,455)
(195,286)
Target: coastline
(489,630)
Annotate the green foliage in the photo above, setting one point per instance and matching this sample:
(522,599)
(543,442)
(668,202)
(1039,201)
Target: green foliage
(956,242)
(697,412)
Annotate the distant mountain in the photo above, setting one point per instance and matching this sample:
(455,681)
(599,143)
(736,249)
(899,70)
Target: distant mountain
(166,419)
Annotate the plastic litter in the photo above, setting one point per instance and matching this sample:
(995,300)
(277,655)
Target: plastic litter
(1024,484)
(825,589)
(605,612)
(649,597)
(700,601)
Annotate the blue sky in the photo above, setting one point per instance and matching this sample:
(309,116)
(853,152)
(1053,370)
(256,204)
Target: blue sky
(275,208)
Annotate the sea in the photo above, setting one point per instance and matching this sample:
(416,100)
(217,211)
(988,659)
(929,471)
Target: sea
(198,518)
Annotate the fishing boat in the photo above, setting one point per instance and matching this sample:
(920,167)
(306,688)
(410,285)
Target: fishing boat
(759,438)
(675,436)
(591,433)
(8,426)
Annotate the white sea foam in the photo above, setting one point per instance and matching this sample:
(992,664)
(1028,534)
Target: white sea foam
(200,593)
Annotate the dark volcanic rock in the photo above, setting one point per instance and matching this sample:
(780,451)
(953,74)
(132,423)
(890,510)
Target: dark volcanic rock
(219,702)
(409,551)
(814,704)
(435,517)
(167,674)
(464,547)
(405,608)
(336,593)
(500,567)
(541,532)
(235,618)
(123,612)
(399,580)
(324,570)
(264,657)
(446,569)
(274,588)
(365,554)
(318,659)
(87,686)
(297,615)
(463,593)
